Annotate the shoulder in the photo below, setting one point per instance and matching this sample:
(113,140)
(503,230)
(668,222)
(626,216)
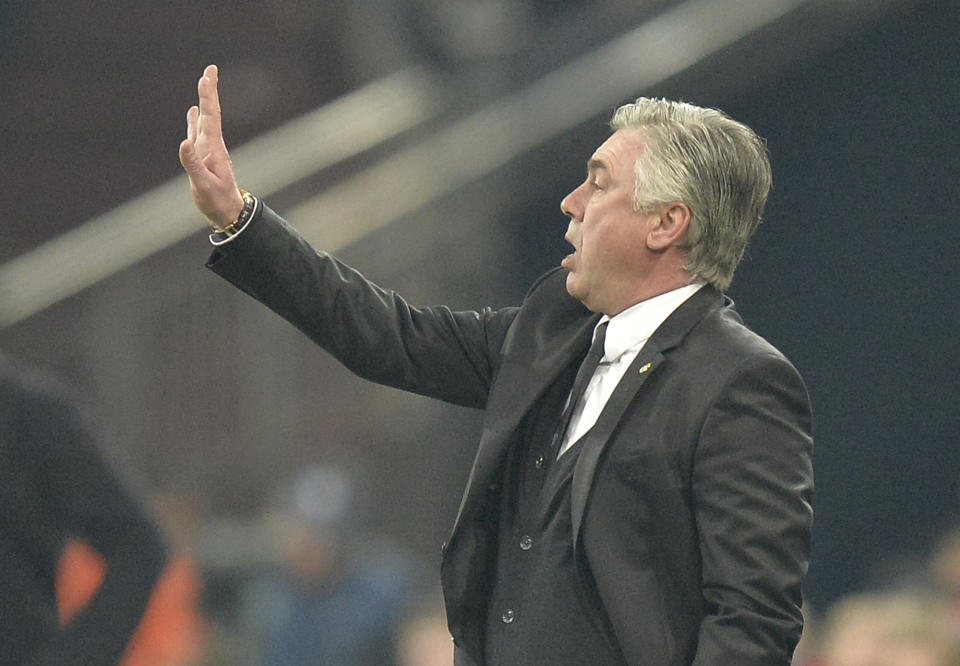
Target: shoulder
(549,292)
(551,280)
(723,347)
(548,306)
(548,317)
(724,331)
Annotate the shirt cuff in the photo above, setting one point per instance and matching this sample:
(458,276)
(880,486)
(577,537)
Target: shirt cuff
(218,238)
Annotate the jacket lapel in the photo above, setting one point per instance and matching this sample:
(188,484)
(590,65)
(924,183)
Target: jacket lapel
(670,334)
(529,366)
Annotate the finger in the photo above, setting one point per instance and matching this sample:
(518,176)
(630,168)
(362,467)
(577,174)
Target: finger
(195,164)
(209,120)
(192,115)
(188,157)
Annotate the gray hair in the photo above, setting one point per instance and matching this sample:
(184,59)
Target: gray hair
(715,165)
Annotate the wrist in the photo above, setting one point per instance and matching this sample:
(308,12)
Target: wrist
(222,236)
(238,216)
(232,214)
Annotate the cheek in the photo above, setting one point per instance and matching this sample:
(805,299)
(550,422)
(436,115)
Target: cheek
(604,241)
(614,253)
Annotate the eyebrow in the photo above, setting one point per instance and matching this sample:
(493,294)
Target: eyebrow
(595,164)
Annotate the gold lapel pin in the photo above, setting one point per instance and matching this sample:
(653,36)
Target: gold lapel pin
(644,368)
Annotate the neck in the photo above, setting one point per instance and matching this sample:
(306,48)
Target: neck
(649,288)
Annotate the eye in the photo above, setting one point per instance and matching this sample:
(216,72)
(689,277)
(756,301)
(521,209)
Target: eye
(595,185)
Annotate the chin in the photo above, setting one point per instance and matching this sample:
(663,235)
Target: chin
(576,291)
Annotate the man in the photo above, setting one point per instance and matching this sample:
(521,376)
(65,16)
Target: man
(653,510)
(55,487)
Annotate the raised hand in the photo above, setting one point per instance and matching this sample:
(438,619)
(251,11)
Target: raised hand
(204,156)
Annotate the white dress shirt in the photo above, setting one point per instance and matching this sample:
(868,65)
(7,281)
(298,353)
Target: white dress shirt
(627,332)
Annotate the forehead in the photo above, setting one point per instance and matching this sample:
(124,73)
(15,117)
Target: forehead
(619,152)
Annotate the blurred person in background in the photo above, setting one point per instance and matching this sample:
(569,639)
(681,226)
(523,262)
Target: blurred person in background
(887,629)
(644,502)
(945,576)
(423,639)
(55,486)
(337,595)
(173,630)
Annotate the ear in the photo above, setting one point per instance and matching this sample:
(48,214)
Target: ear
(668,227)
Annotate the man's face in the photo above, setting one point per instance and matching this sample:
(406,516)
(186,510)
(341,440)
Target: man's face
(609,262)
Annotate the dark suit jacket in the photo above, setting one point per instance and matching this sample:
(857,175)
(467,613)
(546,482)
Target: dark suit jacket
(691,496)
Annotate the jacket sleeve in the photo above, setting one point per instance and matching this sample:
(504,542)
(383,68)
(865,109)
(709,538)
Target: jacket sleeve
(374,332)
(753,489)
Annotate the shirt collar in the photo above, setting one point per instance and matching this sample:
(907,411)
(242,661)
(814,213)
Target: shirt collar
(634,326)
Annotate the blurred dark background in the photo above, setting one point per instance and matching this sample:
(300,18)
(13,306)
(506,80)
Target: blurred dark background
(202,395)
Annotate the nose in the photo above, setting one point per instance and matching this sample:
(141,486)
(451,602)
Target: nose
(572,204)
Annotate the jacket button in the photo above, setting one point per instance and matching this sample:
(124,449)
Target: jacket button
(526,543)
(508,616)
(538,463)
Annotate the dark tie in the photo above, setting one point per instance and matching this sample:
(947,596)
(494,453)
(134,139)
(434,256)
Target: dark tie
(587,367)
